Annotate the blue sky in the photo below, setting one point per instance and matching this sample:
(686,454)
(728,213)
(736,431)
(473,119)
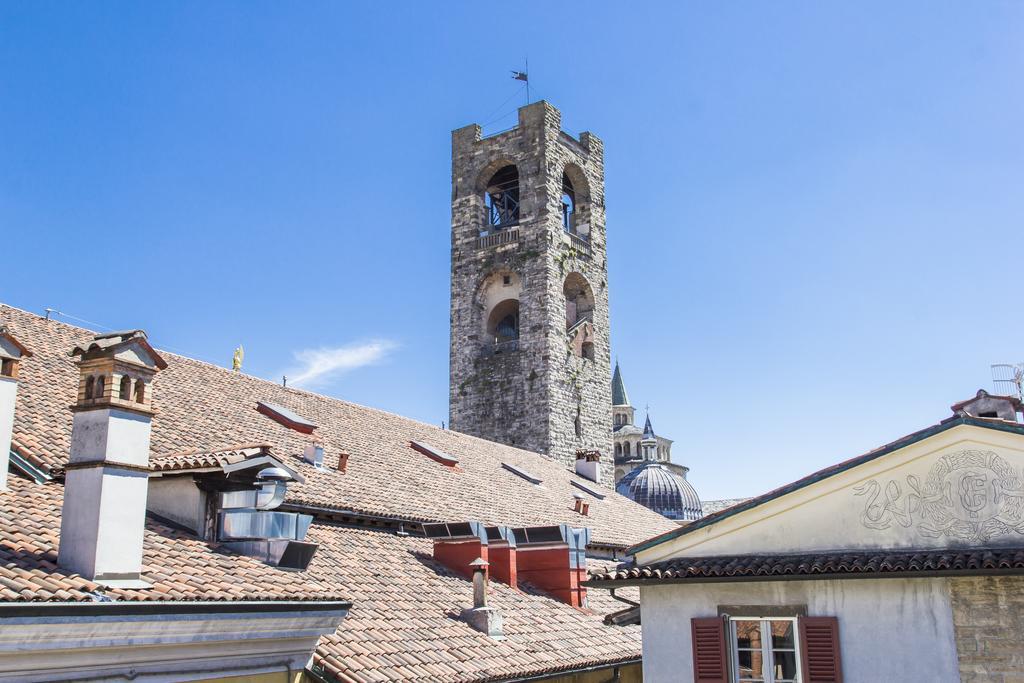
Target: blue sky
(814,209)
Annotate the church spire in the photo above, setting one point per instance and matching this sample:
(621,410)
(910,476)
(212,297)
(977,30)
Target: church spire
(619,397)
(648,429)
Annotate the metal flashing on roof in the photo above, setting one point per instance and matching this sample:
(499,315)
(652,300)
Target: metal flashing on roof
(583,487)
(431,452)
(456,530)
(522,473)
(285,417)
(28,469)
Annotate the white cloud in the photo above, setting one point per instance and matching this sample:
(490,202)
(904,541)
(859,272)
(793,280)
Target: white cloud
(319,365)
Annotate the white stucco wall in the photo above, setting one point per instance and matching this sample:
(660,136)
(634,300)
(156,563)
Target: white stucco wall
(179,500)
(889,629)
(110,434)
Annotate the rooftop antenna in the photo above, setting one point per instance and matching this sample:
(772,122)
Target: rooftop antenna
(1008,379)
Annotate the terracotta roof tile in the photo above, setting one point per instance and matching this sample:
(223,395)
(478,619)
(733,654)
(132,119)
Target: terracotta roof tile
(815,565)
(179,566)
(201,407)
(404,623)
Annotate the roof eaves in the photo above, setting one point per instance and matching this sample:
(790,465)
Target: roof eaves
(832,470)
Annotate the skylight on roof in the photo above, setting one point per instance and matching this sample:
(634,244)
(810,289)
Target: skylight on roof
(431,452)
(592,491)
(285,417)
(522,473)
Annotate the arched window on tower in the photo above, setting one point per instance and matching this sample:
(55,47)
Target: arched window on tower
(501,199)
(579,300)
(503,326)
(618,450)
(568,205)
(90,383)
(625,449)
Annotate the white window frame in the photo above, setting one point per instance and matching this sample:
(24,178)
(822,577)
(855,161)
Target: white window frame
(767,651)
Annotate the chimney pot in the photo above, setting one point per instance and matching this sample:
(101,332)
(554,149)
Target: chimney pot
(485,619)
(343,461)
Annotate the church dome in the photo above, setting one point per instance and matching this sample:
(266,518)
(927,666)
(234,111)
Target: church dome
(655,486)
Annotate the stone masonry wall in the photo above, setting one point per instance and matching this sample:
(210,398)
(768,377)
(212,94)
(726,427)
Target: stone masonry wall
(988,618)
(531,397)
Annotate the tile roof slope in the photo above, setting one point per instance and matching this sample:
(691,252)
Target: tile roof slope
(404,621)
(178,566)
(812,565)
(201,406)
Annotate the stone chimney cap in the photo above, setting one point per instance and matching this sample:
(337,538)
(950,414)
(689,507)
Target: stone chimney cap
(111,342)
(480,562)
(5,332)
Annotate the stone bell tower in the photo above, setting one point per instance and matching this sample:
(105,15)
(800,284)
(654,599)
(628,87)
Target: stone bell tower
(530,360)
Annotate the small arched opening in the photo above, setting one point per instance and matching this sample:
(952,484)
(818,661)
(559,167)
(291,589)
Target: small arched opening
(125,390)
(140,391)
(503,325)
(575,202)
(98,387)
(618,450)
(579,300)
(90,384)
(625,449)
(501,199)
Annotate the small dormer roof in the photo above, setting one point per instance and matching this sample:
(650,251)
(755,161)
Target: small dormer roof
(986,405)
(114,343)
(12,345)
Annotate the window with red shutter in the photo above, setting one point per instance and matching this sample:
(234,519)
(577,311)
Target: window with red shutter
(819,650)
(709,661)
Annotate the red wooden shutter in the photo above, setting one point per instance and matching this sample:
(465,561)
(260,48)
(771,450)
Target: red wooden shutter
(819,650)
(709,663)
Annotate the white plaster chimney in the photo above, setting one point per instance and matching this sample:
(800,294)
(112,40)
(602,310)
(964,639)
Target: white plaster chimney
(588,464)
(11,353)
(107,478)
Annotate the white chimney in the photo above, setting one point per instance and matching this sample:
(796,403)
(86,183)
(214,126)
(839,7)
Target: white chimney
(314,454)
(588,464)
(107,477)
(11,353)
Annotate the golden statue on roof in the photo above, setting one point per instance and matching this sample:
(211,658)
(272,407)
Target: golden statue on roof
(237,358)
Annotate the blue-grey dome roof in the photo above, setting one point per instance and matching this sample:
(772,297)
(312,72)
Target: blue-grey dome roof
(655,486)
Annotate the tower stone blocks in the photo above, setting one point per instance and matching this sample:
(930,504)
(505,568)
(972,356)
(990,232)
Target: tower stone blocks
(530,359)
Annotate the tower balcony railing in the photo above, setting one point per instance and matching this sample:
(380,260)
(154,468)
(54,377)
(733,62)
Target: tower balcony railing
(498,237)
(581,245)
(498,348)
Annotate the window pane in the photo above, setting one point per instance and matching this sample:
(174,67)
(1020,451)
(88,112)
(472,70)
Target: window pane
(782,634)
(750,665)
(748,634)
(785,666)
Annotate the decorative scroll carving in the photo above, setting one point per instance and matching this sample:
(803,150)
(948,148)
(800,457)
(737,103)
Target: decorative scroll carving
(967,496)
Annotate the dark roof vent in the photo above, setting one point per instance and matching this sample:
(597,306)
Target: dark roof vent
(522,473)
(434,453)
(589,489)
(286,417)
